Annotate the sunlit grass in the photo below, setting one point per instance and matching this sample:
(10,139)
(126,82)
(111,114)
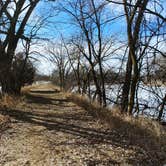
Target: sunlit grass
(141,131)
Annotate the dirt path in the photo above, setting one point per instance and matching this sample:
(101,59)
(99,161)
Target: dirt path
(48,130)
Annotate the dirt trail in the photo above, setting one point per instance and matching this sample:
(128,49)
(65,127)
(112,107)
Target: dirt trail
(48,130)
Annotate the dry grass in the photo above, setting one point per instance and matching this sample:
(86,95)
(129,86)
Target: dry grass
(141,132)
(4,122)
(9,101)
(143,136)
(5,102)
(27,89)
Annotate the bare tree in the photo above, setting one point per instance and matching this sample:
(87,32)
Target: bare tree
(74,56)
(87,15)
(58,55)
(12,31)
(140,37)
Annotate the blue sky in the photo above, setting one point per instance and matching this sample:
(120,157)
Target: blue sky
(60,23)
(63,24)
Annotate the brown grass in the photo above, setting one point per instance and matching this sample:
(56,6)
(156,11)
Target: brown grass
(141,132)
(9,101)
(5,102)
(4,122)
(27,89)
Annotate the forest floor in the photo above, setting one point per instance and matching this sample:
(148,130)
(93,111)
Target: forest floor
(48,130)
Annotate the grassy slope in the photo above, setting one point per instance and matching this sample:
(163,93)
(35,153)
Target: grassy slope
(141,132)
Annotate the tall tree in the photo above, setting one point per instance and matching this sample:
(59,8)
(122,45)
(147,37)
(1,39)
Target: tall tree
(87,15)
(134,17)
(17,18)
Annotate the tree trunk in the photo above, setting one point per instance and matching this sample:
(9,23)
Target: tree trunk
(102,84)
(10,85)
(98,90)
(60,79)
(133,89)
(126,86)
(8,82)
(162,108)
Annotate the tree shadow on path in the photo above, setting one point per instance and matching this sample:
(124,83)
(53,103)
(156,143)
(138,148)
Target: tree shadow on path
(69,123)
